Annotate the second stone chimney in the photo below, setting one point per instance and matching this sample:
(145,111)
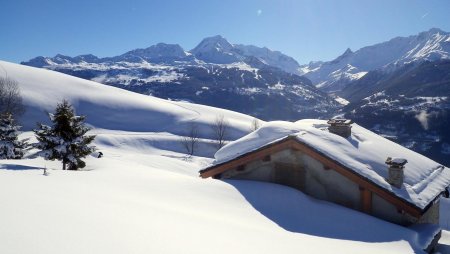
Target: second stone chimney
(395,171)
(341,127)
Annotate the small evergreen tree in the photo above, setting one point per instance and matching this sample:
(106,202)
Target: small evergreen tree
(65,140)
(10,146)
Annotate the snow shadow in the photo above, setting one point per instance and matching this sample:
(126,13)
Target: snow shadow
(297,212)
(18,167)
(442,248)
(354,143)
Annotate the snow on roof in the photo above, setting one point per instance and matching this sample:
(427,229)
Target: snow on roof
(364,153)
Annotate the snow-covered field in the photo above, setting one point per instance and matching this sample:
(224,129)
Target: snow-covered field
(148,200)
(145,196)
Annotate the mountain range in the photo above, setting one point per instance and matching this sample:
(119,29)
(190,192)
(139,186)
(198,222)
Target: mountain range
(247,79)
(405,78)
(333,76)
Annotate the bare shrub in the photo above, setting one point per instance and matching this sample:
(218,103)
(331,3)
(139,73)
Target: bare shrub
(10,98)
(220,130)
(190,140)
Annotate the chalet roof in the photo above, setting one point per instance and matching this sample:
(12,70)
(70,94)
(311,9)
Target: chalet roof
(364,153)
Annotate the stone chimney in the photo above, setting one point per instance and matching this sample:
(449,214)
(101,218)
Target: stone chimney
(341,127)
(395,171)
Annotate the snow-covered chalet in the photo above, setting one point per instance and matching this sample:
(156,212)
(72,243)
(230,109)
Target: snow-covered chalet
(340,162)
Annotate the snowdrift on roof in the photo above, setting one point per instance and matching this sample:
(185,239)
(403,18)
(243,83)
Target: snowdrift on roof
(364,153)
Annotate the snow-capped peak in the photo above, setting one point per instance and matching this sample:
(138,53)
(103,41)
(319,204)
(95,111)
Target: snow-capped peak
(433,31)
(430,45)
(269,57)
(217,43)
(215,49)
(348,52)
(158,52)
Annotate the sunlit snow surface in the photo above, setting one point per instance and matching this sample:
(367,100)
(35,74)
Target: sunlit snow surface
(139,199)
(145,196)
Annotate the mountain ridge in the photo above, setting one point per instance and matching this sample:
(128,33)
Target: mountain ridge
(334,75)
(410,105)
(215,49)
(247,79)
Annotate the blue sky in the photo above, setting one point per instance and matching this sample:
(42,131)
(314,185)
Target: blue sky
(304,29)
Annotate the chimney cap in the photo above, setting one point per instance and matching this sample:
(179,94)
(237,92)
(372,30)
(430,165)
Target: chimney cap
(339,121)
(399,162)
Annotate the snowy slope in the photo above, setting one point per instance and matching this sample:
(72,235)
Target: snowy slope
(146,200)
(112,108)
(144,196)
(130,202)
(334,75)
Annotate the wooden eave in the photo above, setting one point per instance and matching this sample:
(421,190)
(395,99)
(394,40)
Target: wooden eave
(243,159)
(293,143)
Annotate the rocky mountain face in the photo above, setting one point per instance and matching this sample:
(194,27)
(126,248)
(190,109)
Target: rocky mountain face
(333,76)
(247,79)
(410,106)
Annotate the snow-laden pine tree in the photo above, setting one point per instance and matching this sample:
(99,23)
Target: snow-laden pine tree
(10,146)
(66,140)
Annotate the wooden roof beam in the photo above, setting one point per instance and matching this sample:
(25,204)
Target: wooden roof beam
(255,155)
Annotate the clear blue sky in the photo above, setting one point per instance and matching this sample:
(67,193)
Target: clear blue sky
(305,29)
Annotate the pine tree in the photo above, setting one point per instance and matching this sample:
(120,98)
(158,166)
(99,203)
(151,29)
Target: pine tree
(10,146)
(65,140)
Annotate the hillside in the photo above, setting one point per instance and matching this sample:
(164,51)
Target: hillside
(410,106)
(144,195)
(108,107)
(425,79)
